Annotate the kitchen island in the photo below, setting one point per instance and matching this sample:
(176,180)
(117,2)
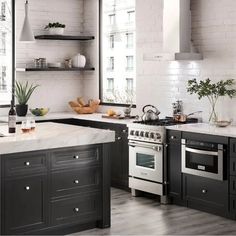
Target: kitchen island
(55,180)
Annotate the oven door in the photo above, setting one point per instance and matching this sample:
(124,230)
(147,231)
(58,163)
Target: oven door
(203,163)
(146,161)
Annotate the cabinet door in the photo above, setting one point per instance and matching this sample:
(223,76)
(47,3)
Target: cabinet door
(174,164)
(232,148)
(24,204)
(206,194)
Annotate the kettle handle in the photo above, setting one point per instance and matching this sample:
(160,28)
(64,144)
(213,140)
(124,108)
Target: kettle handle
(157,111)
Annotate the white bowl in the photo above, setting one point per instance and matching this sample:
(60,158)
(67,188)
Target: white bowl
(56,31)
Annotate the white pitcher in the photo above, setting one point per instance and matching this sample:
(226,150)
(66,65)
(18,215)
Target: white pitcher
(79,61)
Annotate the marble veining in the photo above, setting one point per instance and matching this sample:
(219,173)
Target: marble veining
(52,135)
(203,128)
(72,115)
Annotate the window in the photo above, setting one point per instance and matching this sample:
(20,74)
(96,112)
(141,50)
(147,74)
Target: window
(3,11)
(129,62)
(115,65)
(112,41)
(131,16)
(129,40)
(110,84)
(6,49)
(112,19)
(3,43)
(110,63)
(129,84)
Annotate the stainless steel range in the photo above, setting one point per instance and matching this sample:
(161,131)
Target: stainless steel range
(147,157)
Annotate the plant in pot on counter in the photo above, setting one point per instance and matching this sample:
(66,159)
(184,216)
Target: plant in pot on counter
(206,88)
(56,28)
(23,92)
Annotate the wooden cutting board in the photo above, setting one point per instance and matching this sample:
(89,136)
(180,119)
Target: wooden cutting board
(118,117)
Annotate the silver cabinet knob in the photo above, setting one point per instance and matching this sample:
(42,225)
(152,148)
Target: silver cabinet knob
(118,138)
(27,188)
(172,137)
(204,191)
(76,181)
(76,209)
(27,163)
(76,157)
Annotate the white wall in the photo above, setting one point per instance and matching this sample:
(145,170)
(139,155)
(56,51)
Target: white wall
(56,88)
(213,33)
(158,83)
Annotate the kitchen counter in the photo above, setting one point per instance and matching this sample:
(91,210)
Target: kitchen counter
(204,128)
(52,135)
(72,115)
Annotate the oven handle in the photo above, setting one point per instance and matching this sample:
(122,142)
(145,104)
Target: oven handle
(201,151)
(151,146)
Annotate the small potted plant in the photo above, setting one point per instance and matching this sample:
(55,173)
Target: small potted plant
(23,91)
(55,28)
(205,88)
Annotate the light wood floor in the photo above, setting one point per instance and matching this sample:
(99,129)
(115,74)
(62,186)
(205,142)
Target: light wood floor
(145,216)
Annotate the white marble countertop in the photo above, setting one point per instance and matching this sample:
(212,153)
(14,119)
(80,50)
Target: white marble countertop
(52,135)
(70,115)
(203,128)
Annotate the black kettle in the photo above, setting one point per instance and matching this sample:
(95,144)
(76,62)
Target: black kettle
(150,114)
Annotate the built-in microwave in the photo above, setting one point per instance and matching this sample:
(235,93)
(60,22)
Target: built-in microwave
(203,159)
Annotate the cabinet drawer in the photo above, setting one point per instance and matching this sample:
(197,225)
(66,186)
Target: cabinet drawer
(232,204)
(206,194)
(25,205)
(76,181)
(233,185)
(79,209)
(76,156)
(24,163)
(233,166)
(233,148)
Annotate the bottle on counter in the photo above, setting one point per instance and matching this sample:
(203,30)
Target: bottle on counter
(12,119)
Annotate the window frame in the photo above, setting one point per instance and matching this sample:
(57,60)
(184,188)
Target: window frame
(13,55)
(100,37)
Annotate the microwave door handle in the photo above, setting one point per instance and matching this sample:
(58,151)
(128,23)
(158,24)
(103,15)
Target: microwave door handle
(201,151)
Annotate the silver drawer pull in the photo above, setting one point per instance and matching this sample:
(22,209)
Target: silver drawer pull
(172,137)
(118,138)
(76,209)
(204,191)
(76,157)
(27,163)
(76,181)
(27,188)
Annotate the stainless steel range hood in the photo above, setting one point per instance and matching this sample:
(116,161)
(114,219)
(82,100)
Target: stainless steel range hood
(177,31)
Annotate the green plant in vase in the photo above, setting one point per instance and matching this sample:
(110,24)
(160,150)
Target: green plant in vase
(23,92)
(206,88)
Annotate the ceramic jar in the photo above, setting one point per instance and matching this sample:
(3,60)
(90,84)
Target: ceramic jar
(79,61)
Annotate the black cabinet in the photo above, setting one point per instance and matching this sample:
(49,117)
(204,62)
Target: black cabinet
(233,177)
(206,194)
(174,165)
(197,192)
(54,191)
(25,204)
(120,150)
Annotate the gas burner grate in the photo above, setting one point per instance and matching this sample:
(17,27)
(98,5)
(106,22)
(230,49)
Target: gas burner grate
(166,122)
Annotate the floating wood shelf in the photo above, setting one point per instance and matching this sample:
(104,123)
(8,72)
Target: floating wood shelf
(28,69)
(64,37)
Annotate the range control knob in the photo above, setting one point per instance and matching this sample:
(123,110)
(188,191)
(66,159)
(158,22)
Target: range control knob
(157,136)
(141,134)
(146,134)
(136,133)
(131,132)
(151,135)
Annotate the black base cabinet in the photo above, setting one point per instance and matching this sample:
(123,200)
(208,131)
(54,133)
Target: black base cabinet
(56,191)
(120,150)
(205,194)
